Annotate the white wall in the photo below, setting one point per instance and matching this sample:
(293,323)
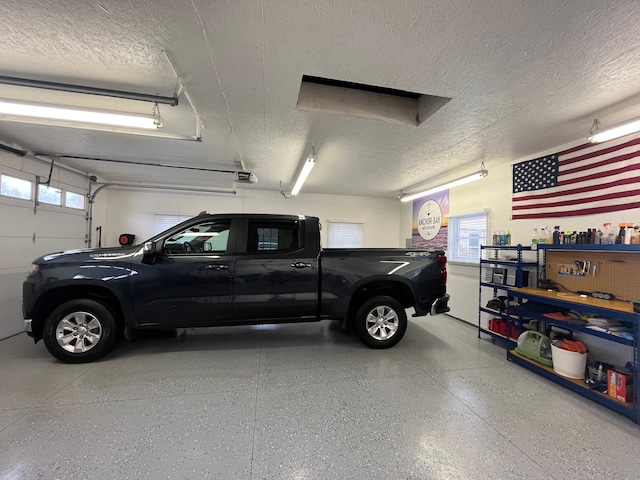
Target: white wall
(133,211)
(55,228)
(494,193)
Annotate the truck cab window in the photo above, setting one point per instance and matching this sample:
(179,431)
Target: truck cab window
(273,237)
(206,237)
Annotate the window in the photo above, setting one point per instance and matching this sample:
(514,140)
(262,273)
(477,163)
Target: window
(74,200)
(15,187)
(205,237)
(49,195)
(466,234)
(345,235)
(276,237)
(165,222)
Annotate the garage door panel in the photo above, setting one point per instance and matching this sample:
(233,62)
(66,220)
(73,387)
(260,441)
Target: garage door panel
(18,253)
(21,221)
(10,318)
(25,235)
(11,285)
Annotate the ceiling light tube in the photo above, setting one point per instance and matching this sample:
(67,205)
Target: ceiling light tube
(620,131)
(454,183)
(304,173)
(105,92)
(16,111)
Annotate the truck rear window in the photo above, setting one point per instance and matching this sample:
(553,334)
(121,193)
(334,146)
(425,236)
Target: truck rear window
(273,237)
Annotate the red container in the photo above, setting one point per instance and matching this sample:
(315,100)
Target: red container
(498,325)
(514,331)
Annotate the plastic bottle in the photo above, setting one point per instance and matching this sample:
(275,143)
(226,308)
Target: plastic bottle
(621,233)
(508,237)
(503,238)
(567,237)
(535,238)
(609,234)
(592,240)
(628,233)
(556,235)
(543,235)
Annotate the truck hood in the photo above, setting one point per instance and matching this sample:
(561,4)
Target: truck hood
(87,254)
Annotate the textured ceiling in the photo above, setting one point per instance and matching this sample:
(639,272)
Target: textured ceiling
(524,77)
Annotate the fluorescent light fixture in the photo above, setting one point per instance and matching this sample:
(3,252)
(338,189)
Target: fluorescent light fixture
(621,131)
(454,183)
(304,173)
(20,112)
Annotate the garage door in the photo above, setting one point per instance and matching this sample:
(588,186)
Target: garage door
(28,230)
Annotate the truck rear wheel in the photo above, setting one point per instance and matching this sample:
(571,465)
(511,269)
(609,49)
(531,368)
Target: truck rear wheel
(80,331)
(381,322)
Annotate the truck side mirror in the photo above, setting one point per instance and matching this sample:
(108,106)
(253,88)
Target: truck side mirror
(149,252)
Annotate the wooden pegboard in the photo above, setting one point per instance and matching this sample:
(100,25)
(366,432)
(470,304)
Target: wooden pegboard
(616,272)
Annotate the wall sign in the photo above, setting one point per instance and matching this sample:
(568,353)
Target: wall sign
(430,224)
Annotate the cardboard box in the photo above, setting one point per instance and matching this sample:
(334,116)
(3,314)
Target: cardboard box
(620,386)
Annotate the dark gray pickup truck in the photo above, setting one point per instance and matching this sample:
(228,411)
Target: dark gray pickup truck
(233,269)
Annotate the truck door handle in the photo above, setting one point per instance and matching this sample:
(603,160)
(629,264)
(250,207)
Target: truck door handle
(217,267)
(300,265)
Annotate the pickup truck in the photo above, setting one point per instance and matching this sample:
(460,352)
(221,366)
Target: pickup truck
(227,269)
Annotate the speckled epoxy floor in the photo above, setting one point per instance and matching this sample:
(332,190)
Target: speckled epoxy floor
(304,401)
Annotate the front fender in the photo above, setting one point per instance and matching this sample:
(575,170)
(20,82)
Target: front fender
(48,288)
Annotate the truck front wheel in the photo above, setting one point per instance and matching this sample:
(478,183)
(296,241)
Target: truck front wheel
(79,331)
(381,322)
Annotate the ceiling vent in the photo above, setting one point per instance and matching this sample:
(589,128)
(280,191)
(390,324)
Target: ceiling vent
(366,101)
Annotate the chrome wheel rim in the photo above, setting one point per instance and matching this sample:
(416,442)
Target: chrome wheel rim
(382,322)
(78,332)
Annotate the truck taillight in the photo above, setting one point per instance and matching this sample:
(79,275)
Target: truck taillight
(442,260)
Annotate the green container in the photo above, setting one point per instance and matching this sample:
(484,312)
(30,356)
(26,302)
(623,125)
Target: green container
(535,346)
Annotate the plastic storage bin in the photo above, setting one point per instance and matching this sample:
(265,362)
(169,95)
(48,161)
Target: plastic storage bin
(568,364)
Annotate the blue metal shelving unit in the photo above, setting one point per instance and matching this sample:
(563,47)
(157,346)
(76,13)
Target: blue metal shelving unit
(521,267)
(624,314)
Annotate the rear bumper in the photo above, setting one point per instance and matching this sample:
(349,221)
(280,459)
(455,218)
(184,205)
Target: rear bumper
(440,305)
(26,323)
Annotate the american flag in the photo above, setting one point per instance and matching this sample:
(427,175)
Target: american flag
(584,180)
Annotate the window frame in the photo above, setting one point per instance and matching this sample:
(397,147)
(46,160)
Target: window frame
(44,188)
(79,195)
(30,182)
(162,217)
(454,241)
(333,223)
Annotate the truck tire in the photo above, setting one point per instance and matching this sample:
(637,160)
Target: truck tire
(381,322)
(80,331)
